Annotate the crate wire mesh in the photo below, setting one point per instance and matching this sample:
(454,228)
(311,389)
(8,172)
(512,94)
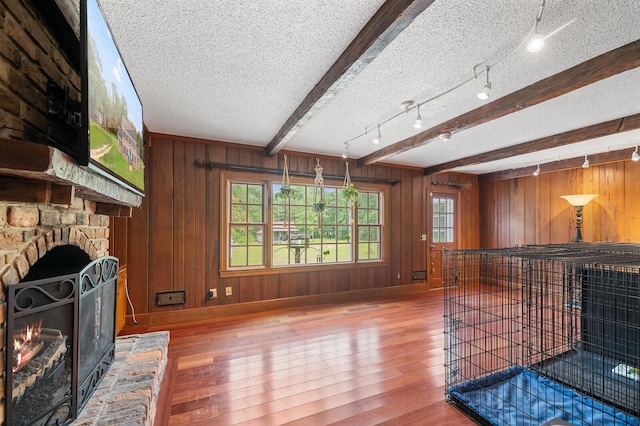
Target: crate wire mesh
(552,322)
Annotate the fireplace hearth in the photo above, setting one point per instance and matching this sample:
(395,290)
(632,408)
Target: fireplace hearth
(60,338)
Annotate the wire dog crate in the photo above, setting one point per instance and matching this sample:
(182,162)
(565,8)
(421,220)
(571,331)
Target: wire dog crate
(544,334)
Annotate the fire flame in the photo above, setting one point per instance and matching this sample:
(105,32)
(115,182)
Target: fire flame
(30,336)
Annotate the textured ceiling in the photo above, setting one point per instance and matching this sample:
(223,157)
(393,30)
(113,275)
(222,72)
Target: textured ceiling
(236,70)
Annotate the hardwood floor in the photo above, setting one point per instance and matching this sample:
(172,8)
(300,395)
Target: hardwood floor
(350,364)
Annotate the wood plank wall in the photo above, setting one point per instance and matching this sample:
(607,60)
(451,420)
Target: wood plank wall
(173,240)
(529,210)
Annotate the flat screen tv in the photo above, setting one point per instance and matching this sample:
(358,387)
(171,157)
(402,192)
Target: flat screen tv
(112,111)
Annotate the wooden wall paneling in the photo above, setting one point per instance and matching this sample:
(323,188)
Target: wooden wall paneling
(233,155)
(160,221)
(312,283)
(591,185)
(212,224)
(632,201)
(418,219)
(517,199)
(344,281)
(356,279)
(530,204)
(118,239)
(193,288)
(269,287)
(487,215)
(405,231)
(562,215)
(612,201)
(199,228)
(284,289)
(543,210)
(138,255)
(504,203)
(179,212)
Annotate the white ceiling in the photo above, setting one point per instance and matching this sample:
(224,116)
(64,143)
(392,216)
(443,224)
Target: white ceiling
(236,70)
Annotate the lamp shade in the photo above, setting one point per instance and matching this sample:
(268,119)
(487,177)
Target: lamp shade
(579,199)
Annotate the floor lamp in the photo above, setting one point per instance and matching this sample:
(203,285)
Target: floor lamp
(578,201)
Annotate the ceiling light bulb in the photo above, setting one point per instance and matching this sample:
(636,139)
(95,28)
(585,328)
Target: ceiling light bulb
(345,153)
(585,165)
(484,95)
(536,43)
(536,172)
(635,156)
(378,138)
(418,123)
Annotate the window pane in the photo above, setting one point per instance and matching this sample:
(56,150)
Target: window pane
(372,200)
(373,217)
(254,256)
(239,213)
(449,235)
(255,214)
(238,256)
(238,193)
(255,194)
(255,235)
(374,234)
(362,216)
(238,235)
(363,234)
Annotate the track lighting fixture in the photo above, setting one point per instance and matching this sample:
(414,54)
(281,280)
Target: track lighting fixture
(536,42)
(418,123)
(486,90)
(446,136)
(345,153)
(635,156)
(536,172)
(585,165)
(378,138)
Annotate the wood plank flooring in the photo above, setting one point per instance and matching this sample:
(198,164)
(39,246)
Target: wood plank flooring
(364,363)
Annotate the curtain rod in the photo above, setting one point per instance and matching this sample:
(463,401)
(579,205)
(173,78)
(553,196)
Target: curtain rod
(224,166)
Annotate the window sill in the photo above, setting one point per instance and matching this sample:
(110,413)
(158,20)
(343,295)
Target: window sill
(294,269)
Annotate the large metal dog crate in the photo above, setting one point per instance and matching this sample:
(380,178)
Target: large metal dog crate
(539,334)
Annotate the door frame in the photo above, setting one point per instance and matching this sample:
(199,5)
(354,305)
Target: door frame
(455,194)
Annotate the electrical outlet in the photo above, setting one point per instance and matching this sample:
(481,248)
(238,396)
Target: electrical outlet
(398,275)
(213,293)
(228,291)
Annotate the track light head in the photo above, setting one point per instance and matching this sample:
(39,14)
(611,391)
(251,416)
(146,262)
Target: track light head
(635,156)
(378,138)
(585,165)
(418,123)
(445,137)
(345,153)
(536,172)
(486,90)
(536,43)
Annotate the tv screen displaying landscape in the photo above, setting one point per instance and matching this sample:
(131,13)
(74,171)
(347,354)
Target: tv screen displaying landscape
(115,111)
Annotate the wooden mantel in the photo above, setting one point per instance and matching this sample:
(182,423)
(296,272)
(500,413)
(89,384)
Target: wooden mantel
(34,172)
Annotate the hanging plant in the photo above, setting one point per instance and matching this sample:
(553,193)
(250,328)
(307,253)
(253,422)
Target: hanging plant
(319,203)
(286,192)
(349,190)
(351,195)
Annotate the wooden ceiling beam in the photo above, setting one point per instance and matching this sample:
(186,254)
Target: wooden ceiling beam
(603,66)
(389,21)
(619,125)
(554,166)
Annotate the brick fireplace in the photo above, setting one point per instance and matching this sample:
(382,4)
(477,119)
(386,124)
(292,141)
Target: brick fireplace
(29,231)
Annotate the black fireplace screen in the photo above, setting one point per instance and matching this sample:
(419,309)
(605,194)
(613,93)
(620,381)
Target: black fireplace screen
(60,342)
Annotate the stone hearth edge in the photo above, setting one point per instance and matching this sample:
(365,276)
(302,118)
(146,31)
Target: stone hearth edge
(129,391)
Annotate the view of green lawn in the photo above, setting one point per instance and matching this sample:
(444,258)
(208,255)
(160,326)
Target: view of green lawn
(311,254)
(113,160)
